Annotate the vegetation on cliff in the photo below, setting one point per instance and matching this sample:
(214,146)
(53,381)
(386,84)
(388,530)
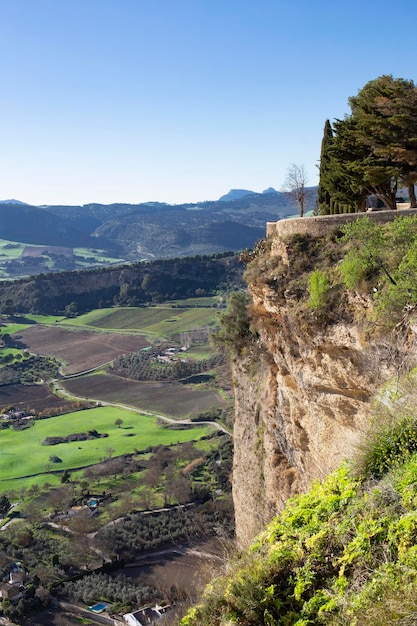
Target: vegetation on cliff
(235,333)
(323,276)
(344,553)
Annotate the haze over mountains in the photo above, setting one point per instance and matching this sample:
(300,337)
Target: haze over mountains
(152,229)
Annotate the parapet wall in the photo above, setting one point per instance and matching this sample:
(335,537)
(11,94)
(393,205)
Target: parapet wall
(320,225)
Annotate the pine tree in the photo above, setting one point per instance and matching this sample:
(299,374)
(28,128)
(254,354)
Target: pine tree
(385,117)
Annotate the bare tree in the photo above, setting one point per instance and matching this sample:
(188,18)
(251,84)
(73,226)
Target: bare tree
(295,186)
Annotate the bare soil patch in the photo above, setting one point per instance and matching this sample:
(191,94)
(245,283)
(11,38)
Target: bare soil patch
(37,397)
(80,349)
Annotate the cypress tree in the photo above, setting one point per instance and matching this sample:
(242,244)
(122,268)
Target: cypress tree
(323,195)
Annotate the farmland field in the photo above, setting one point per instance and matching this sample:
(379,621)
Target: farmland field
(161,321)
(12,254)
(202,301)
(11,328)
(10,249)
(173,399)
(80,349)
(27,397)
(22,453)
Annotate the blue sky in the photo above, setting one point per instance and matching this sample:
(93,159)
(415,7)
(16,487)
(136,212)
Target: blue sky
(181,100)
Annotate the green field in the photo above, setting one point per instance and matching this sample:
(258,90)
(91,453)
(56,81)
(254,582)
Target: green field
(199,351)
(22,453)
(97,255)
(204,301)
(44,319)
(7,351)
(12,328)
(10,252)
(159,320)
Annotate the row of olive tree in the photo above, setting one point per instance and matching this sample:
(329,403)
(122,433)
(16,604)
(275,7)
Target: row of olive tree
(371,151)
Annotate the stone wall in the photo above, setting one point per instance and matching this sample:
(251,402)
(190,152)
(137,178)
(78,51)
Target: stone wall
(317,226)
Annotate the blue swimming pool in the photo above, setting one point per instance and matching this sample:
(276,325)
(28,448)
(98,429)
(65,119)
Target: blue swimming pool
(98,608)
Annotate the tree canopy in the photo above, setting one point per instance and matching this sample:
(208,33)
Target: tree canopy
(374,149)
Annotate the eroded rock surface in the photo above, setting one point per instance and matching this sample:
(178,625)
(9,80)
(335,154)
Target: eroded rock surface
(303,402)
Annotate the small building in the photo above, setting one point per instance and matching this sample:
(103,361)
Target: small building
(17,577)
(9,591)
(147,616)
(133,619)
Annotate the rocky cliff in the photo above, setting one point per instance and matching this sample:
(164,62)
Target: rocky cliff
(305,386)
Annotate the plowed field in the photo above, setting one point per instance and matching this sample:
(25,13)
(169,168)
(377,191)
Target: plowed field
(80,350)
(174,399)
(37,397)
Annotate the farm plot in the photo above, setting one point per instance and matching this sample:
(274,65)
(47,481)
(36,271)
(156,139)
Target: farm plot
(173,399)
(160,321)
(27,397)
(80,350)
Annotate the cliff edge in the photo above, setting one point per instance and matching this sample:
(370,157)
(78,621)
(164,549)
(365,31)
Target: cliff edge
(305,386)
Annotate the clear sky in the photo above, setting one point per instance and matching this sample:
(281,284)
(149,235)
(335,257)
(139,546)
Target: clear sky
(180,100)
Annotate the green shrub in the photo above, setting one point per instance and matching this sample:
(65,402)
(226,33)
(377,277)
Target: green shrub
(389,446)
(344,553)
(318,287)
(353,271)
(235,332)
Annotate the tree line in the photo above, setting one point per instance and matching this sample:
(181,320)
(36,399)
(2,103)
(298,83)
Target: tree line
(125,285)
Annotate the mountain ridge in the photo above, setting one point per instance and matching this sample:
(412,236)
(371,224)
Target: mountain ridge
(149,230)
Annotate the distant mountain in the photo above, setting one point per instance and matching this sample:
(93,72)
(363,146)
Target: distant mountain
(235,194)
(32,225)
(12,202)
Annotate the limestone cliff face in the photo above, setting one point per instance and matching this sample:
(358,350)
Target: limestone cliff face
(302,405)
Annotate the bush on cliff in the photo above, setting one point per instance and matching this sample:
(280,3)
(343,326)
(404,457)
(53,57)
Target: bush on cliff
(382,260)
(235,332)
(318,287)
